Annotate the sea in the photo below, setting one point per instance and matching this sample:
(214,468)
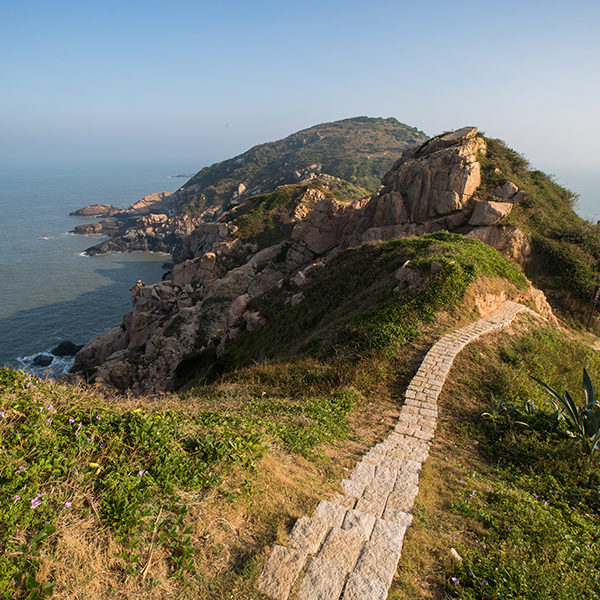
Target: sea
(50,291)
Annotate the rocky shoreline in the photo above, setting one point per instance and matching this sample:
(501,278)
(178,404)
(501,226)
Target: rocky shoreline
(205,301)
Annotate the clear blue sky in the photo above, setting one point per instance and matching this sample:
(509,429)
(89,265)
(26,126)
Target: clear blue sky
(195,82)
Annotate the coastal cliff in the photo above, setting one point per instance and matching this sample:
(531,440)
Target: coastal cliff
(274,241)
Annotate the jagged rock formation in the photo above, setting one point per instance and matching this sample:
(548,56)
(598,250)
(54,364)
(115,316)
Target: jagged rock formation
(216,271)
(151,223)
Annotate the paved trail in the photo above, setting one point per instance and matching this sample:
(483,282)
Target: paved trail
(353,543)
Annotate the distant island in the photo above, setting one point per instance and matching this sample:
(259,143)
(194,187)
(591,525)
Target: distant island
(182,175)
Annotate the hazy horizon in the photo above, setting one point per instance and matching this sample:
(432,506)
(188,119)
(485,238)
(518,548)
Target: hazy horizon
(196,82)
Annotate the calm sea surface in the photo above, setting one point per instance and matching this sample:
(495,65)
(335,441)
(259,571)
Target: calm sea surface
(50,292)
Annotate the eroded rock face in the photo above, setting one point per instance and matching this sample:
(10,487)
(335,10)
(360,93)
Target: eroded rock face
(438,178)
(206,303)
(509,241)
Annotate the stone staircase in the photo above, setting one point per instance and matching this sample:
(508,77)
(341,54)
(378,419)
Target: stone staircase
(350,548)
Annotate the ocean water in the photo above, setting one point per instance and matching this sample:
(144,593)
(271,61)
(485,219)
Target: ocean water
(49,291)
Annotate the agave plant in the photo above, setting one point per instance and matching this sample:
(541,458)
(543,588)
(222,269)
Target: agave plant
(582,421)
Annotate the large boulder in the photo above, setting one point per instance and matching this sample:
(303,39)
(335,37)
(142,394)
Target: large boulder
(487,212)
(509,241)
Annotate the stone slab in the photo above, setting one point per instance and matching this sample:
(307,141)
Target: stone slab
(341,548)
(308,534)
(359,524)
(280,572)
(398,516)
(403,501)
(353,488)
(323,581)
(388,534)
(363,473)
(345,501)
(360,587)
(378,562)
(330,513)
(373,501)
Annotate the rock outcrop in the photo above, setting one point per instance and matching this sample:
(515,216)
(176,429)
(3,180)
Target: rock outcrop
(150,224)
(207,301)
(96,210)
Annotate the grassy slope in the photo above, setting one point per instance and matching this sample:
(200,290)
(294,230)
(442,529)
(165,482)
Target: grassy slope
(519,503)
(185,494)
(358,151)
(565,248)
(350,309)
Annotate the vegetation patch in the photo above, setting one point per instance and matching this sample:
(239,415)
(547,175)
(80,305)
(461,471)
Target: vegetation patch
(514,488)
(565,247)
(137,473)
(357,151)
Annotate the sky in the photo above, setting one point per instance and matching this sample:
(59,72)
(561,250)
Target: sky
(194,82)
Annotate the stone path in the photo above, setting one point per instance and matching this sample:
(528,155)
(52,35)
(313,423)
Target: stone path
(352,544)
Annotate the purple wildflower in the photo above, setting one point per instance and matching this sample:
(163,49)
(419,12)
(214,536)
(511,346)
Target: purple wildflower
(17,498)
(141,473)
(35,502)
(71,420)
(473,494)
(3,414)
(102,445)
(68,504)
(22,468)
(454,580)
(48,420)
(484,582)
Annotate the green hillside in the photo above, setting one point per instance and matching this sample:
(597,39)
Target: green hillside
(358,150)
(565,248)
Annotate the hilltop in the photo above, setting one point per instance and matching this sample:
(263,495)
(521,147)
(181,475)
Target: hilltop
(352,154)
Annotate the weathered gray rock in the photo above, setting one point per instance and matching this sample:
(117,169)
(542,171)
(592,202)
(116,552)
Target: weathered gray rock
(506,191)
(98,350)
(509,241)
(96,210)
(489,213)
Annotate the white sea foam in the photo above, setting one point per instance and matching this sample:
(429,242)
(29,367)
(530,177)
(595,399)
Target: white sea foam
(58,366)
